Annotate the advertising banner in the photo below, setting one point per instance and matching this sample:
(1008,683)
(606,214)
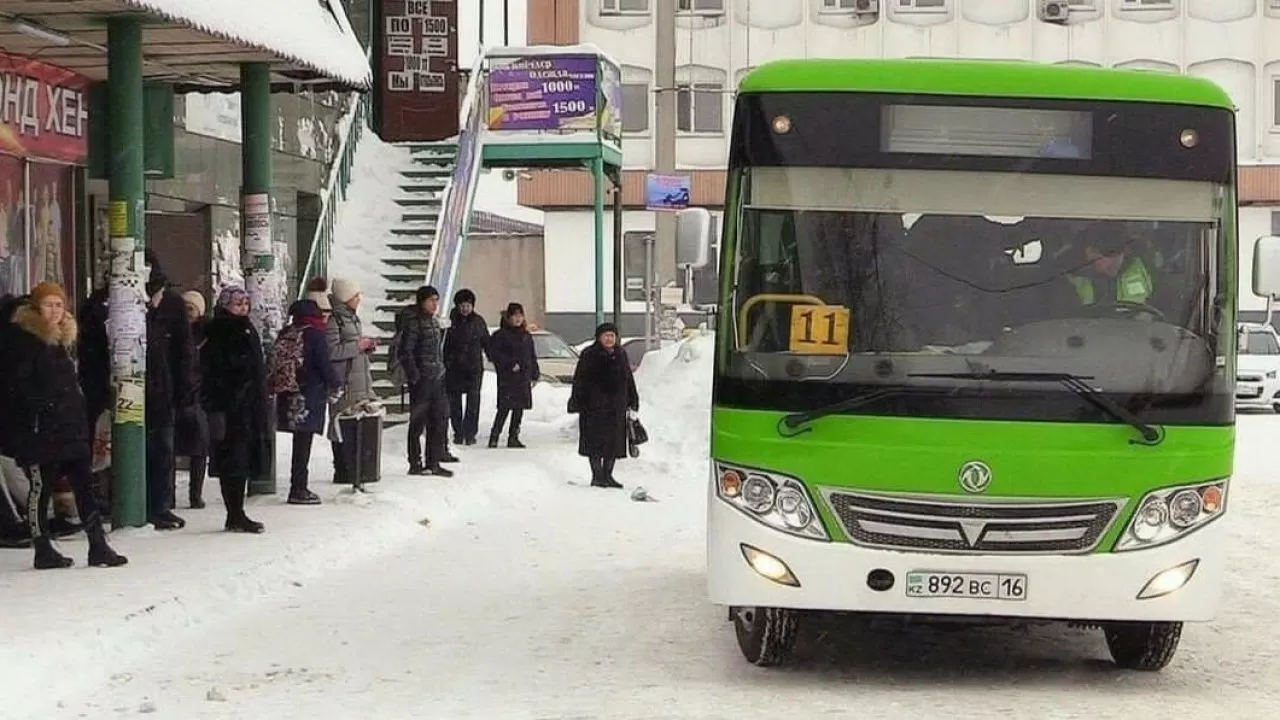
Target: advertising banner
(546,92)
(447,251)
(44,111)
(668,193)
(416,95)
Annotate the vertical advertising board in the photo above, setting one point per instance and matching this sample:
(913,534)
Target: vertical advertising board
(416,94)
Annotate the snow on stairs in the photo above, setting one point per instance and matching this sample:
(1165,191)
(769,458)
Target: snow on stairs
(407,254)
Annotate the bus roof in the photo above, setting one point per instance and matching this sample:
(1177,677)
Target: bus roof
(998,78)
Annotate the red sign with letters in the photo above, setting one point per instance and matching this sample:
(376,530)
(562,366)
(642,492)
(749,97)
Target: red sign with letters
(44,110)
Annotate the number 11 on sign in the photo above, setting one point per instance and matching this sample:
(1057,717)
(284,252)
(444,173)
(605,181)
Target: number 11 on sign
(819,329)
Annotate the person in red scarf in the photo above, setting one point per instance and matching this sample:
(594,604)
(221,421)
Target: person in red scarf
(304,347)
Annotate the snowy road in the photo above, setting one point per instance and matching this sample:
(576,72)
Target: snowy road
(564,602)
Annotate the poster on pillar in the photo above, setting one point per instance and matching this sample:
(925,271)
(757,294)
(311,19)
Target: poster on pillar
(257,223)
(416,78)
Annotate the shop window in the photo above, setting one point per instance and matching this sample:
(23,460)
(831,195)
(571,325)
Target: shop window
(624,7)
(922,6)
(700,7)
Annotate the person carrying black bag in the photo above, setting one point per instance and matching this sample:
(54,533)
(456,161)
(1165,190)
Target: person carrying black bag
(604,396)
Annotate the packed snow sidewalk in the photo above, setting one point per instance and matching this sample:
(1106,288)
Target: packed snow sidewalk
(87,623)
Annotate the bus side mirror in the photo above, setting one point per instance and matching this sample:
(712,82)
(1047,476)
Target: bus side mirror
(693,237)
(1266,266)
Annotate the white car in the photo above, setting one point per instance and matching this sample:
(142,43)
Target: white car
(1257,386)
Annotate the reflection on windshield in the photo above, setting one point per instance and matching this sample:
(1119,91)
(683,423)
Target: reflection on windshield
(551,347)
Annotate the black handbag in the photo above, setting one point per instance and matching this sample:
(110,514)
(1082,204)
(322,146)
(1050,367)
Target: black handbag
(636,436)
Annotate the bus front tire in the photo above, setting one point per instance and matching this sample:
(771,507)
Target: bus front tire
(766,636)
(1143,646)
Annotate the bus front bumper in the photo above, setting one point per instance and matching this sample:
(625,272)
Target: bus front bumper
(836,576)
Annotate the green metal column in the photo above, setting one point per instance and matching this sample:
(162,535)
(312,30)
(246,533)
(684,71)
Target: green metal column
(257,256)
(597,172)
(127,306)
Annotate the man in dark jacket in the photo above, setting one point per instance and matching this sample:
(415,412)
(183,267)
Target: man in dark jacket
(421,351)
(170,356)
(465,343)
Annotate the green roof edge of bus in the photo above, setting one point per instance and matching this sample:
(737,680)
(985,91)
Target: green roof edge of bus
(994,78)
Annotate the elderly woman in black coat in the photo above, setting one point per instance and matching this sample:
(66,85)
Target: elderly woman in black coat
(45,421)
(516,364)
(234,394)
(604,392)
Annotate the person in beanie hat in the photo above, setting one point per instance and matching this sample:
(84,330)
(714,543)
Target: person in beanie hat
(465,344)
(604,393)
(345,291)
(46,418)
(421,355)
(516,363)
(350,353)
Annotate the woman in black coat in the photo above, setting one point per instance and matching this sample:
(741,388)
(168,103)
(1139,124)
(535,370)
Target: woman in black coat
(46,418)
(604,391)
(191,439)
(302,413)
(234,393)
(516,363)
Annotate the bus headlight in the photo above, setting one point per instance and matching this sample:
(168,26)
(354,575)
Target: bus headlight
(779,501)
(1166,515)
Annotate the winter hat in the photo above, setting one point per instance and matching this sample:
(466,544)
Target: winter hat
(606,328)
(464,296)
(427,291)
(514,308)
(230,295)
(320,298)
(194,298)
(46,290)
(345,290)
(304,309)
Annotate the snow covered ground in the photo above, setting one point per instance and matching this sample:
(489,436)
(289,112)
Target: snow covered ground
(507,593)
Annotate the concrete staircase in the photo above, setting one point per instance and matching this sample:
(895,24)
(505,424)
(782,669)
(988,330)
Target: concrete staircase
(407,254)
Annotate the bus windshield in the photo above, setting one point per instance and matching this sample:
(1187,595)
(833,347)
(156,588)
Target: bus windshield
(886,276)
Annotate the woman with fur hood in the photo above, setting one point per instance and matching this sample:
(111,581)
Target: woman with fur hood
(49,435)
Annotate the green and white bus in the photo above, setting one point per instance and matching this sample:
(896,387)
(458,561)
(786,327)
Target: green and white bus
(976,349)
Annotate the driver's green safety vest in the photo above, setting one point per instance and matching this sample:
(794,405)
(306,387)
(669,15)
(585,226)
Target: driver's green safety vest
(1133,285)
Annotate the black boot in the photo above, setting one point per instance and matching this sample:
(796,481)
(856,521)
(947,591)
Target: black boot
(47,557)
(439,471)
(596,472)
(513,441)
(233,493)
(195,490)
(300,495)
(101,554)
(167,520)
(493,439)
(606,474)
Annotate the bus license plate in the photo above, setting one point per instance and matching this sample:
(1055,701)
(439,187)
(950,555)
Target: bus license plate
(979,586)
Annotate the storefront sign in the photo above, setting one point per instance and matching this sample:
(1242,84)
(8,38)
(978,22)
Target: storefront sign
(43,110)
(545,92)
(416,82)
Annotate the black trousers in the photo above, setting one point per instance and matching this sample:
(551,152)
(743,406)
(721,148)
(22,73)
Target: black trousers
(428,416)
(500,419)
(79,474)
(464,414)
(161,473)
(300,462)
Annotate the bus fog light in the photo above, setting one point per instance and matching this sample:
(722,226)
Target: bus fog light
(768,566)
(1166,515)
(1169,581)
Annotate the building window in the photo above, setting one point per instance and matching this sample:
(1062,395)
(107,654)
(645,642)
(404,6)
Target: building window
(921,5)
(848,7)
(624,7)
(1146,4)
(700,107)
(633,242)
(700,7)
(1275,222)
(635,107)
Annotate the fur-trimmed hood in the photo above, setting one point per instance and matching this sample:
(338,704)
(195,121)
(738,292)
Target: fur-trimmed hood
(64,333)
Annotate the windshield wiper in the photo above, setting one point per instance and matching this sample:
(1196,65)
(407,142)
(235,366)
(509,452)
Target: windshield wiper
(1151,435)
(793,424)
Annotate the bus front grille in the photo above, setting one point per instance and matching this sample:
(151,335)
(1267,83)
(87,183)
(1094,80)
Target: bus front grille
(942,524)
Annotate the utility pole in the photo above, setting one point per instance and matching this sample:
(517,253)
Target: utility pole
(506,23)
(664,135)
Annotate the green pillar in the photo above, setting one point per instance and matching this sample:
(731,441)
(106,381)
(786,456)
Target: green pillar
(127,309)
(257,256)
(597,172)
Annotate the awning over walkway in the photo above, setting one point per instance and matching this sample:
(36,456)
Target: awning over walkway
(197,44)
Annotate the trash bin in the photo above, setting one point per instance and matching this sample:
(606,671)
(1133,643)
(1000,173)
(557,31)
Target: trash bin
(360,454)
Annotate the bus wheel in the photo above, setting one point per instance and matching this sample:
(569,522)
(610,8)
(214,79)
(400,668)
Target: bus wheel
(1143,646)
(766,635)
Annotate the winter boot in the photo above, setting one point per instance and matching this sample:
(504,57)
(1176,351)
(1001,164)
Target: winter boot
(596,472)
(606,474)
(233,492)
(513,441)
(300,495)
(493,439)
(439,471)
(47,557)
(195,491)
(166,520)
(101,555)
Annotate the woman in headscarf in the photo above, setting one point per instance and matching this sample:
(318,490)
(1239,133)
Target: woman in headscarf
(46,419)
(604,392)
(234,394)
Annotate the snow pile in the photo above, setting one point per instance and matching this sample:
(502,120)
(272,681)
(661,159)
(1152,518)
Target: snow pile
(366,218)
(675,396)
